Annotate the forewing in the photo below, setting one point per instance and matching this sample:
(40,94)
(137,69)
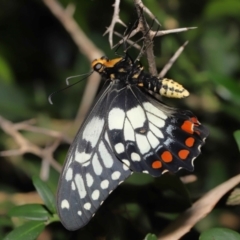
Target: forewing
(91,171)
(150,137)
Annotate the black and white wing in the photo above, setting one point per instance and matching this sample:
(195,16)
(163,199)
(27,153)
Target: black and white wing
(91,171)
(150,137)
(127,130)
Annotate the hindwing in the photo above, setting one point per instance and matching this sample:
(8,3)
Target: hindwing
(150,137)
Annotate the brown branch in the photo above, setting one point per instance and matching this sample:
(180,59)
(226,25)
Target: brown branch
(199,210)
(115,19)
(147,38)
(25,146)
(85,45)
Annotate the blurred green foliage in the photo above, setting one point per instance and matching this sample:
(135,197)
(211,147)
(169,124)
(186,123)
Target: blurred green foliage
(37,55)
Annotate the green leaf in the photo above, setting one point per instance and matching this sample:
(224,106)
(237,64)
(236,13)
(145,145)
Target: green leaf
(45,193)
(150,236)
(236,135)
(28,231)
(219,234)
(30,211)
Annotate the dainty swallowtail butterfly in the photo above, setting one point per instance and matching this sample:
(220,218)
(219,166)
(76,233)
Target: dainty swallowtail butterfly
(128,130)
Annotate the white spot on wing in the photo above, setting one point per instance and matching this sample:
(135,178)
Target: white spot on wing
(86,164)
(87,206)
(136,117)
(89,179)
(116,175)
(128,131)
(169,129)
(106,157)
(69,174)
(73,186)
(135,157)
(126,164)
(92,131)
(79,213)
(125,167)
(80,186)
(154,110)
(155,131)
(104,184)
(156,120)
(119,147)
(95,194)
(82,157)
(142,143)
(168,141)
(96,165)
(145,171)
(152,139)
(65,204)
(116,118)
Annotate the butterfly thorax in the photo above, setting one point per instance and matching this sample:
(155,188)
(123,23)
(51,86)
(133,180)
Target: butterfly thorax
(130,72)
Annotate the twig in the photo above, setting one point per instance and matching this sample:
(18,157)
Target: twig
(25,146)
(115,19)
(172,60)
(199,210)
(147,38)
(84,44)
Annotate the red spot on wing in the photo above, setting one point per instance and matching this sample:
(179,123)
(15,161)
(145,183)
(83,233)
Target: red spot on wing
(195,120)
(156,164)
(183,154)
(189,141)
(167,156)
(187,126)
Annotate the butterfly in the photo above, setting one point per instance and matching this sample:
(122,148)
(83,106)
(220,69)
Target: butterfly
(127,130)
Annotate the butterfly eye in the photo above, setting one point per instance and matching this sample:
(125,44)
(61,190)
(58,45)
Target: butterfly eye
(98,67)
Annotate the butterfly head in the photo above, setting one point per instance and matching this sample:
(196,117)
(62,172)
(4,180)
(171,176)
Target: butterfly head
(116,68)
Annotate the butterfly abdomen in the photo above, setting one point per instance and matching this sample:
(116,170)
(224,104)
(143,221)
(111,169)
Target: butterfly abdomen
(163,86)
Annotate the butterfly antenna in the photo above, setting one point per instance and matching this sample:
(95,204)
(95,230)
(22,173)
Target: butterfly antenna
(81,75)
(60,90)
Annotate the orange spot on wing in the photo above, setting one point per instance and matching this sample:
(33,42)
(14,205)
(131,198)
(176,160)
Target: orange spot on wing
(166,156)
(195,120)
(156,164)
(187,126)
(183,154)
(189,141)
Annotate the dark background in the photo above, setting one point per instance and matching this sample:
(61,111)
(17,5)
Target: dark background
(37,55)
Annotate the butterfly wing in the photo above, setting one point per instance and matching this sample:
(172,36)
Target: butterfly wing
(91,171)
(127,130)
(150,137)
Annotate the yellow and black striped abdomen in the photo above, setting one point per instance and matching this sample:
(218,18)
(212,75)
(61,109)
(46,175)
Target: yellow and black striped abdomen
(163,86)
